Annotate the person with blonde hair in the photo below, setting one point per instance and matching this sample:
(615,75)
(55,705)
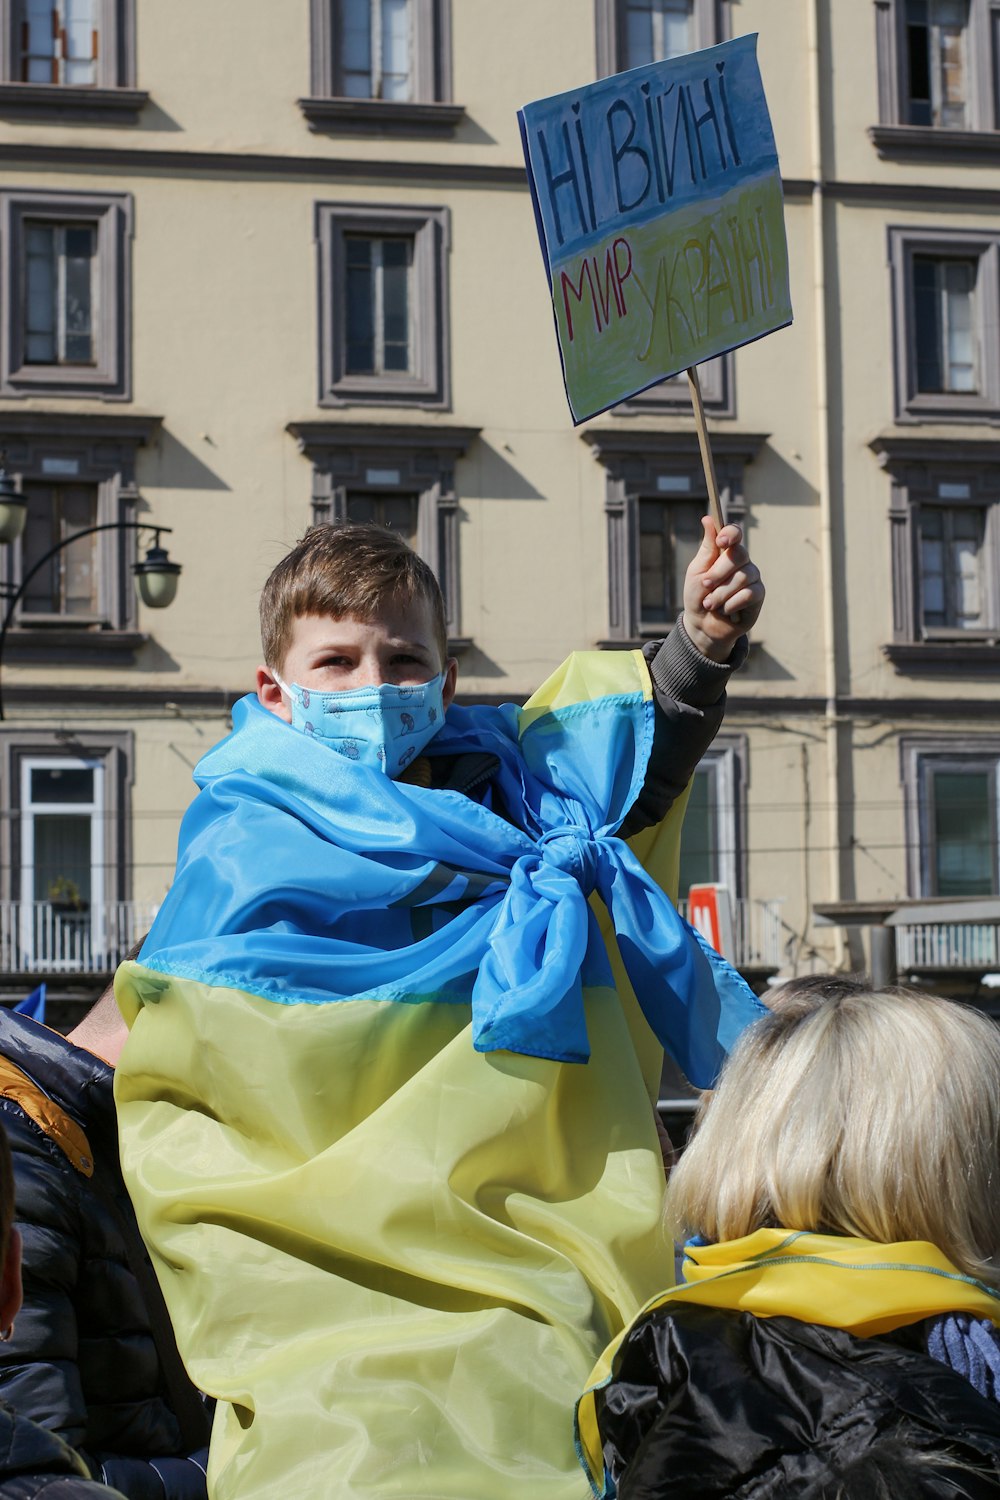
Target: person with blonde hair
(841,1298)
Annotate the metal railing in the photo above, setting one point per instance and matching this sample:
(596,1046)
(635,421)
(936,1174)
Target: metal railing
(47,937)
(757,933)
(948,945)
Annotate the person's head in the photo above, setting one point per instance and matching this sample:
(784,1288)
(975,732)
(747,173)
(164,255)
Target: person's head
(874,1114)
(10,1244)
(351,606)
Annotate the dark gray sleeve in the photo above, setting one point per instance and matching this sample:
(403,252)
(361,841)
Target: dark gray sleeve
(689,691)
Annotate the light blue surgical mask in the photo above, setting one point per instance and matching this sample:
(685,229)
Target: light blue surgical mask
(384,727)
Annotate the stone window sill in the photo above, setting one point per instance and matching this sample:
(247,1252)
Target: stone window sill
(950,656)
(927,143)
(35,101)
(55,644)
(381,117)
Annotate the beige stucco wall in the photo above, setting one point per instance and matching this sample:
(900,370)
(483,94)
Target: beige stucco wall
(225,350)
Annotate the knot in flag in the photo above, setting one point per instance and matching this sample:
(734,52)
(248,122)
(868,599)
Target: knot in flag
(573,850)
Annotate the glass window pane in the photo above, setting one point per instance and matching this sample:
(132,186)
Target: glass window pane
(959,279)
(354,48)
(638,36)
(360,306)
(927,323)
(674,27)
(400,512)
(40,293)
(62,784)
(361,508)
(699,833)
(38,63)
(68,582)
(80,244)
(62,858)
(964,833)
(396,303)
(397,67)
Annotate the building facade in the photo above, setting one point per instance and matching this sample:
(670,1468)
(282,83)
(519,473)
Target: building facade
(267,263)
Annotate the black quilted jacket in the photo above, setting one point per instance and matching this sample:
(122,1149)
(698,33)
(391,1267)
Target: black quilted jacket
(36,1465)
(718,1404)
(83,1361)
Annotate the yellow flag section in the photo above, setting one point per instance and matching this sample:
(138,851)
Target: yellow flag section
(834,1280)
(392,1259)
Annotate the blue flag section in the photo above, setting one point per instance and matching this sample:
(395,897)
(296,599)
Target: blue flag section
(297,883)
(658,199)
(33,1005)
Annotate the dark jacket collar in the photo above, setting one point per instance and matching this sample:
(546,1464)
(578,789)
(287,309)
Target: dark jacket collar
(79,1082)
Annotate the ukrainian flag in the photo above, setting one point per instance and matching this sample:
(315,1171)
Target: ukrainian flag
(395,1220)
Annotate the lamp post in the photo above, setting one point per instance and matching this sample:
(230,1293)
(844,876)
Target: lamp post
(155,576)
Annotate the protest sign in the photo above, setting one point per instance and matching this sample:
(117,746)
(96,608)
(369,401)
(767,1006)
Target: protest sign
(658,200)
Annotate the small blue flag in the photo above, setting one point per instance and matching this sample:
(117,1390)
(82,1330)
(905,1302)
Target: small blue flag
(33,1005)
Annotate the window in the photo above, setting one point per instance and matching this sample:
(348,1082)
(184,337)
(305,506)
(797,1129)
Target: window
(945,305)
(669,533)
(65,294)
(378,297)
(65,850)
(67,585)
(398,512)
(945,533)
(952,809)
(398,476)
(383,305)
(655,498)
(77,472)
(937,64)
(673,394)
(381,64)
(633,32)
(69,59)
(711,842)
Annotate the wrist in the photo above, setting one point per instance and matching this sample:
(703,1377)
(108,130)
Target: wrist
(717,651)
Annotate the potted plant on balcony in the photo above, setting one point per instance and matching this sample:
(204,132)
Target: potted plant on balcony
(64,895)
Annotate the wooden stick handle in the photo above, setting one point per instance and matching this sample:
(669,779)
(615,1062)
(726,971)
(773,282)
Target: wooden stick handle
(707,461)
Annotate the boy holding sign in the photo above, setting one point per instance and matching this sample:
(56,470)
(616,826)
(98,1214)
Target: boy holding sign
(394,1218)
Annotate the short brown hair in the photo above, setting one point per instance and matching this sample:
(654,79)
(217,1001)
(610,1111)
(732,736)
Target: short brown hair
(345,568)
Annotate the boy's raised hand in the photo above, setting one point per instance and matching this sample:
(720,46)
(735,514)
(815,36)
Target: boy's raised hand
(723,592)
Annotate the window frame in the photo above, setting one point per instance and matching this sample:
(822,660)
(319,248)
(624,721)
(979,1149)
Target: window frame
(916,467)
(920,757)
(727,762)
(109,378)
(895,137)
(93,450)
(634,461)
(711,20)
(429,386)
(114,99)
(906,244)
(384,459)
(718,392)
(430,112)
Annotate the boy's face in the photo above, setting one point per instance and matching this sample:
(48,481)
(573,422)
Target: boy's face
(399,646)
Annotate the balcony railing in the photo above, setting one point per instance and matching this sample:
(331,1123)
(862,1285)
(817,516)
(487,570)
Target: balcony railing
(45,937)
(948,945)
(757,933)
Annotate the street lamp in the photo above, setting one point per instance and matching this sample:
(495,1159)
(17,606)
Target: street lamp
(13,507)
(155,576)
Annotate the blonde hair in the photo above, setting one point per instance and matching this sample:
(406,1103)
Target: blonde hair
(874,1114)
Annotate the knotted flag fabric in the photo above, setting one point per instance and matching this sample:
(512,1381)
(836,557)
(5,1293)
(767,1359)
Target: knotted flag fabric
(394,1220)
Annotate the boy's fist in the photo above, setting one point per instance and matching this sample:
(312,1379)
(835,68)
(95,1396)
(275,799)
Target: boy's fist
(723,592)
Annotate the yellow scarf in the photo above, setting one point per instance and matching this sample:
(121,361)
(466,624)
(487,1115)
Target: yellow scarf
(842,1282)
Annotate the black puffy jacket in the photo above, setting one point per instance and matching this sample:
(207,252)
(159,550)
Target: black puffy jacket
(36,1465)
(711,1404)
(83,1360)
